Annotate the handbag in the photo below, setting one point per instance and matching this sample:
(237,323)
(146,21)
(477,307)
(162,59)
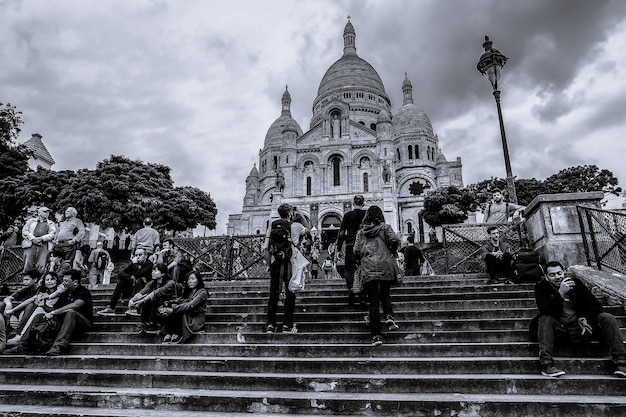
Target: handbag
(395,262)
(298,265)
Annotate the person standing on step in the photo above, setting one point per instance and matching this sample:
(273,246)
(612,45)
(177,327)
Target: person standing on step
(413,258)
(347,235)
(70,232)
(130,281)
(374,244)
(570,313)
(278,250)
(497,257)
(146,238)
(38,233)
(499,211)
(98,261)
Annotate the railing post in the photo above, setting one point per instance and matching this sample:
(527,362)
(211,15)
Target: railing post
(445,246)
(583,232)
(594,243)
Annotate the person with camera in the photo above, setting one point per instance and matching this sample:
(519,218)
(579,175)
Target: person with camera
(570,313)
(130,281)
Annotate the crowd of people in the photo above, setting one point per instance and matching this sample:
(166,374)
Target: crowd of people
(52,304)
(171,299)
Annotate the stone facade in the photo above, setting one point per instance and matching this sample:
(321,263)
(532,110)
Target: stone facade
(354,145)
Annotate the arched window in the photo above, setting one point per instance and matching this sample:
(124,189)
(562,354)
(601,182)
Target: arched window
(336,162)
(275,162)
(410,152)
(398,154)
(417,152)
(373,126)
(308,185)
(409,228)
(366,185)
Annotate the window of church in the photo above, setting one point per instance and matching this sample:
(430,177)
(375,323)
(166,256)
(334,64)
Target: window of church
(347,95)
(409,228)
(371,97)
(410,152)
(336,163)
(362,123)
(360,95)
(275,162)
(373,126)
(398,155)
(417,152)
(366,185)
(308,185)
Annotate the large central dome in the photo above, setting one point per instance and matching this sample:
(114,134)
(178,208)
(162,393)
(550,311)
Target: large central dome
(351,71)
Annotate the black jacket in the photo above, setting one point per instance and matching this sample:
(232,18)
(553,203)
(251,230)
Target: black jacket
(550,302)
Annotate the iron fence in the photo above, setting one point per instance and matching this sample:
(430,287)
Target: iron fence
(462,244)
(11,264)
(604,237)
(226,257)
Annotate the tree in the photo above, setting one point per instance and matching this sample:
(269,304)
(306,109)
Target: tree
(582,178)
(448,205)
(119,193)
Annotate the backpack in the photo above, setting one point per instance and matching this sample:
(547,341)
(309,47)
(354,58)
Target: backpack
(102,260)
(527,266)
(43,333)
(280,239)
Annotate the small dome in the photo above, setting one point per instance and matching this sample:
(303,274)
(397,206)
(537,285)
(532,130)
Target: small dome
(281,125)
(254,172)
(411,119)
(384,116)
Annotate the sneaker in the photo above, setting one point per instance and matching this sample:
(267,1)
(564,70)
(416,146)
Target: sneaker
(620,371)
(132,312)
(292,329)
(106,312)
(176,338)
(377,340)
(270,329)
(15,350)
(391,323)
(551,370)
(14,340)
(54,351)
(167,338)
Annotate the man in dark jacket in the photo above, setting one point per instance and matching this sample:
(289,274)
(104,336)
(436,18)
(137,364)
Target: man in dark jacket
(497,257)
(413,258)
(569,311)
(347,234)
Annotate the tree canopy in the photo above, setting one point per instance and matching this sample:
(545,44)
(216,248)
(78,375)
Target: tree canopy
(448,205)
(118,193)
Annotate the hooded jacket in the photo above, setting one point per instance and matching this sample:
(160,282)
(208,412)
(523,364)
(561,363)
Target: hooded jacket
(373,246)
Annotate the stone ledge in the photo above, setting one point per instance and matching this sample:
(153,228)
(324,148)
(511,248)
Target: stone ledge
(605,284)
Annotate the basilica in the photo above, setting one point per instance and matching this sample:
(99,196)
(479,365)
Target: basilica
(355,144)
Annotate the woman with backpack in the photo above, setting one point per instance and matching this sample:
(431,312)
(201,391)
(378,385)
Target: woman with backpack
(374,245)
(186,315)
(161,289)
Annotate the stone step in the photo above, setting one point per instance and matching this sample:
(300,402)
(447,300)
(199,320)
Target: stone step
(320,402)
(382,366)
(277,348)
(512,384)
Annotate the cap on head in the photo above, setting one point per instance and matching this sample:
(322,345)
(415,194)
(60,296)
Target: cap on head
(99,244)
(43,209)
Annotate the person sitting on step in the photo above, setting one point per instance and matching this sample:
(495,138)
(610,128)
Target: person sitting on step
(570,313)
(185,316)
(160,290)
(497,256)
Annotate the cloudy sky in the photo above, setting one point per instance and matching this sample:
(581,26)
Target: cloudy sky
(195,84)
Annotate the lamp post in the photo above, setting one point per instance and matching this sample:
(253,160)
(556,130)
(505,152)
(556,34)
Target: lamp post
(490,64)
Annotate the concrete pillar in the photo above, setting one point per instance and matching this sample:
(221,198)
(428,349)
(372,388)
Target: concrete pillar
(553,226)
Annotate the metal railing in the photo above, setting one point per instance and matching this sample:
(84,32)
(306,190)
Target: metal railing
(462,244)
(604,237)
(11,264)
(226,257)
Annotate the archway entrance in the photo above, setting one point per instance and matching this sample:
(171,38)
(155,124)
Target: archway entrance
(330,229)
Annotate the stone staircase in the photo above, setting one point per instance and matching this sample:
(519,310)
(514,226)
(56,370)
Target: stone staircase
(462,350)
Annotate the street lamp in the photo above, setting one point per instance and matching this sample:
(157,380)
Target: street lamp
(490,64)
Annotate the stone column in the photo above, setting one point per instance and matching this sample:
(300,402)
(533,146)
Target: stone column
(553,225)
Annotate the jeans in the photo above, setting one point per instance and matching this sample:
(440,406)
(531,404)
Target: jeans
(125,288)
(550,329)
(499,267)
(36,257)
(280,271)
(379,294)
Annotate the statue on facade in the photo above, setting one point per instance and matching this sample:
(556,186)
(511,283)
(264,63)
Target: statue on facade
(280,180)
(386,172)
(336,129)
